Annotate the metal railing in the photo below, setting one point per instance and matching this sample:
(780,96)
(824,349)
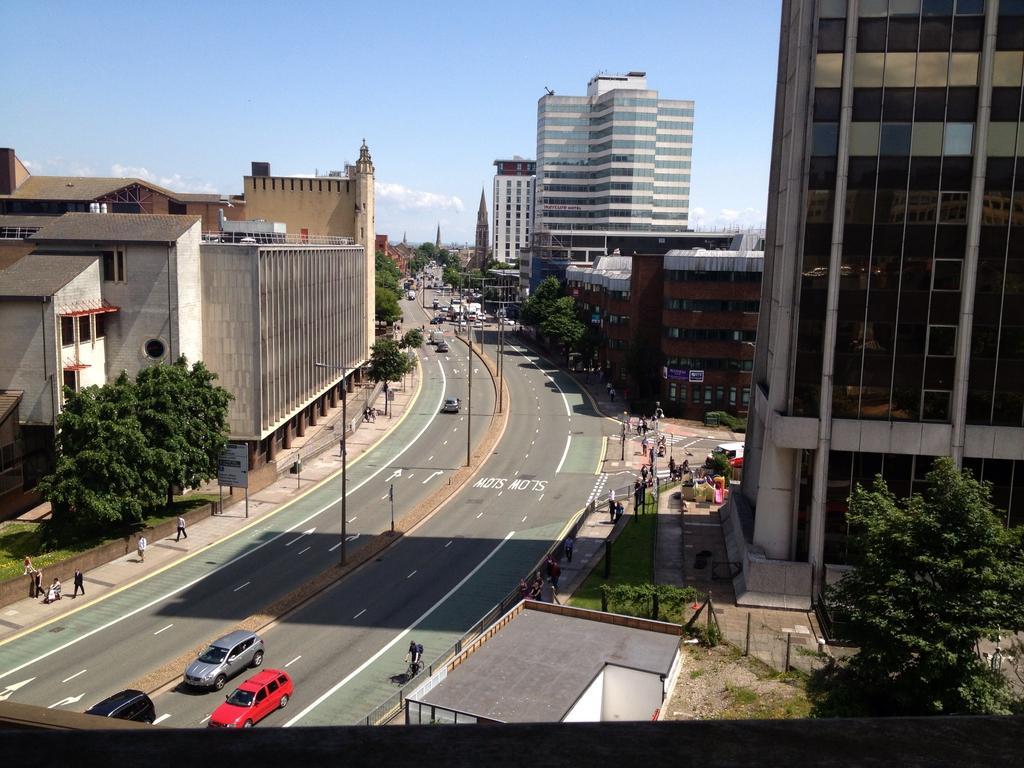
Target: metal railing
(274,238)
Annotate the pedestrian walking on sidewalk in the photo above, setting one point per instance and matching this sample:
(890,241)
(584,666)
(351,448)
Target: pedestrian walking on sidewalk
(142,548)
(556,571)
(79,583)
(611,394)
(567,548)
(611,504)
(181,529)
(638,495)
(38,581)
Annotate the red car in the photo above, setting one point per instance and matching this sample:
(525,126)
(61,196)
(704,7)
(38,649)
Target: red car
(253,700)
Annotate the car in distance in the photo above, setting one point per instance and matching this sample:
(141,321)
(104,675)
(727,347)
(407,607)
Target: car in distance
(442,346)
(253,700)
(451,405)
(437,320)
(225,657)
(126,705)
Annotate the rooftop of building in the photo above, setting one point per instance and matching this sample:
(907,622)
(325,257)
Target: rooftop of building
(77,188)
(38,276)
(117,227)
(536,666)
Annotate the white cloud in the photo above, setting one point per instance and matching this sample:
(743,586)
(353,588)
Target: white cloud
(402,198)
(745,218)
(175,182)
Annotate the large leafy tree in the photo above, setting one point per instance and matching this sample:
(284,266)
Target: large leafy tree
(183,414)
(935,574)
(387,361)
(413,339)
(386,308)
(387,273)
(542,302)
(103,476)
(562,325)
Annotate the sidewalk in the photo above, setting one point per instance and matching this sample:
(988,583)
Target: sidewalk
(27,612)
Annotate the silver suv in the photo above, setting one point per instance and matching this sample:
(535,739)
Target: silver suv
(224,658)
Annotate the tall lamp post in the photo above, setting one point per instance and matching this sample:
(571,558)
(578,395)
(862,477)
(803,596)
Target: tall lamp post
(344,449)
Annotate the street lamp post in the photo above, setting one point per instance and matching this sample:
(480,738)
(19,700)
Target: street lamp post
(344,450)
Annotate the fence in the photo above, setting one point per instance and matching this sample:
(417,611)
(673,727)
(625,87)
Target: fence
(782,649)
(388,709)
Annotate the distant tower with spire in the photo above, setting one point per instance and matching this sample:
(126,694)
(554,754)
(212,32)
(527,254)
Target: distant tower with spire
(482,234)
(437,240)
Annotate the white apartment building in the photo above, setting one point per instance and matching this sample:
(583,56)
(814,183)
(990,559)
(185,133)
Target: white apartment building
(617,159)
(513,207)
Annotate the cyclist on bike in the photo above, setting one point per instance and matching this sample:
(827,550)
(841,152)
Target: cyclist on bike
(414,656)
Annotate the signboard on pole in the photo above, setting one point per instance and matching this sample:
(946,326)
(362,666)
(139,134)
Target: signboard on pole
(233,466)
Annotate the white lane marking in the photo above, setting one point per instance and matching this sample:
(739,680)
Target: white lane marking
(565,453)
(526,456)
(431,458)
(243,586)
(448,544)
(480,515)
(352,538)
(445,443)
(304,533)
(68,700)
(353,518)
(409,475)
(163,630)
(411,575)
(229,563)
(293,661)
(524,519)
(500,492)
(162,717)
(206,718)
(432,476)
(359,614)
(384,497)
(397,638)
(304,551)
(74,676)
(538,428)
(541,497)
(334,547)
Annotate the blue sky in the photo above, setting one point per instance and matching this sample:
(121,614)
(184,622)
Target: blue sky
(187,94)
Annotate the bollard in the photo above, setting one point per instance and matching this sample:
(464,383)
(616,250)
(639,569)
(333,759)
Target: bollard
(746,647)
(789,639)
(604,602)
(654,606)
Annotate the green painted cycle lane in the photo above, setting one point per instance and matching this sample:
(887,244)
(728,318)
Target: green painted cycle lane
(17,653)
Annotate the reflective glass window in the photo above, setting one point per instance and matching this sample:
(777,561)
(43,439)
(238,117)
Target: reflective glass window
(895,139)
(863,138)
(824,138)
(826,104)
(931,70)
(961,105)
(867,104)
(970,6)
(904,7)
(935,406)
(958,139)
(871,35)
(899,69)
(936,33)
(1007,67)
(903,34)
(867,70)
(963,69)
(1002,139)
(830,35)
(828,70)
(947,275)
(942,340)
(898,105)
(937,7)
(967,32)
(873,8)
(927,139)
(833,9)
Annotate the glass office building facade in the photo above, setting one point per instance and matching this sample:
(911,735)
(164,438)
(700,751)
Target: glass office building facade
(896,240)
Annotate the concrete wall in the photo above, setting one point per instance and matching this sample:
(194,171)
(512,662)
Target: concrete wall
(630,694)
(28,359)
(189,291)
(323,206)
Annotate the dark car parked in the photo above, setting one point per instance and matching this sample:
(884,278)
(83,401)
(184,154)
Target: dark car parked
(126,705)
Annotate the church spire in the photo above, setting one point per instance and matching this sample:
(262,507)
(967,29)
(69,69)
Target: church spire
(482,234)
(437,241)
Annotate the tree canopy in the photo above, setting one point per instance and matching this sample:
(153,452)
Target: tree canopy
(387,361)
(387,273)
(386,309)
(123,446)
(562,325)
(935,574)
(540,304)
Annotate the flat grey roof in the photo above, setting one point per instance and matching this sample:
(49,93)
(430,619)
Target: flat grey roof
(536,667)
(37,276)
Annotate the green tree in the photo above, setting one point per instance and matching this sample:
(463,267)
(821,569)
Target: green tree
(103,475)
(387,273)
(184,417)
(935,574)
(413,339)
(386,308)
(387,361)
(561,324)
(541,303)
(451,277)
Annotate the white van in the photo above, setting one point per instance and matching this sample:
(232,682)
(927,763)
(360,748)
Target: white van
(734,451)
(436,336)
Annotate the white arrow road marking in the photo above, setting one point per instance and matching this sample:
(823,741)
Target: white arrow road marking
(5,694)
(399,637)
(432,476)
(293,661)
(241,586)
(393,475)
(304,533)
(352,538)
(163,630)
(74,676)
(68,700)
(161,718)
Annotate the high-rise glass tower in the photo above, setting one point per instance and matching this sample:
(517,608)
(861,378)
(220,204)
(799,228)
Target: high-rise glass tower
(892,322)
(617,159)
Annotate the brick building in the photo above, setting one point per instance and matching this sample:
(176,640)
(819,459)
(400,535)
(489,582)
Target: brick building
(691,314)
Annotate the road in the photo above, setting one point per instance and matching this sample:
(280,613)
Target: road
(92,652)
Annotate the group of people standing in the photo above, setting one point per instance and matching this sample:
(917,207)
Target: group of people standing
(51,593)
